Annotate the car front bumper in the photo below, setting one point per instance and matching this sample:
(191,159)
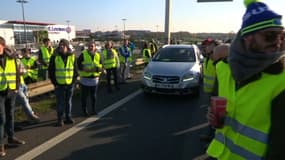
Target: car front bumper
(182,88)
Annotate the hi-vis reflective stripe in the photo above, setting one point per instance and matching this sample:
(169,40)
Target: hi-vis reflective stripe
(88,64)
(246,131)
(237,149)
(209,78)
(206,85)
(64,77)
(3,82)
(64,69)
(10,74)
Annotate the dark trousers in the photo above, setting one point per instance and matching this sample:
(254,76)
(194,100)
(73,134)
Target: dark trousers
(64,101)
(110,72)
(43,73)
(91,92)
(7,107)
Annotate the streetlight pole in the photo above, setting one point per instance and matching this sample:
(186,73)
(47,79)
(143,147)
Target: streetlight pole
(24,19)
(68,21)
(124,23)
(167,19)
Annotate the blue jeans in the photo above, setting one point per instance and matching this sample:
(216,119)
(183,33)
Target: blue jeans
(7,107)
(64,101)
(23,100)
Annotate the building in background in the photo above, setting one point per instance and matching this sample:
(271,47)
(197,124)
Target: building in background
(13,32)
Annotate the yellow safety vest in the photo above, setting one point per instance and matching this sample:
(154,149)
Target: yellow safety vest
(64,74)
(110,61)
(248,119)
(46,55)
(28,63)
(123,59)
(88,63)
(146,55)
(209,76)
(8,75)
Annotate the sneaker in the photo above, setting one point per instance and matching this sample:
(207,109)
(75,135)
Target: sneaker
(69,121)
(34,118)
(15,141)
(60,123)
(85,113)
(94,113)
(2,150)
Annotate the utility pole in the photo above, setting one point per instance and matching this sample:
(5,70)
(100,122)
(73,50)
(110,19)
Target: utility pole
(167,31)
(24,19)
(124,23)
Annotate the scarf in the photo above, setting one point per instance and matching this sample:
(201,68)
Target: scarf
(245,64)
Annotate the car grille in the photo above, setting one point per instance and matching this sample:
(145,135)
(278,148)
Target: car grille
(165,79)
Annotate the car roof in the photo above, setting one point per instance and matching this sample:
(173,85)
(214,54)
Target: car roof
(178,46)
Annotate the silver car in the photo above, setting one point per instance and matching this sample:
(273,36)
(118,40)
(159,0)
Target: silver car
(175,69)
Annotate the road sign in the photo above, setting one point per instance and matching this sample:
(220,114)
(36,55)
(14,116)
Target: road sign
(214,1)
(68,29)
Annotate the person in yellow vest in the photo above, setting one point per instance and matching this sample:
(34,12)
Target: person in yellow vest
(209,78)
(9,85)
(63,73)
(153,47)
(209,73)
(111,64)
(45,53)
(89,66)
(31,66)
(252,81)
(146,54)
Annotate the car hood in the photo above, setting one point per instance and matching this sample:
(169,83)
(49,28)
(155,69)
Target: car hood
(169,68)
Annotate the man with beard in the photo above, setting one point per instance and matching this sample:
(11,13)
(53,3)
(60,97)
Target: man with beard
(252,81)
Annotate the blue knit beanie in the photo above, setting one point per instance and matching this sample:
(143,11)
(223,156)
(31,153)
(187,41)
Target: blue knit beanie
(258,16)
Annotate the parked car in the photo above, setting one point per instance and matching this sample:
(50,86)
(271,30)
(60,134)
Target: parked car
(175,69)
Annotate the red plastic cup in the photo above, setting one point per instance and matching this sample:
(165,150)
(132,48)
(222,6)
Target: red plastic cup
(218,107)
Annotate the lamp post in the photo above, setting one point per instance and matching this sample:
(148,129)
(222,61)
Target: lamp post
(24,20)
(68,21)
(167,20)
(124,23)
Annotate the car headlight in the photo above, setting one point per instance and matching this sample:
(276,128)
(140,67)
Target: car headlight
(188,77)
(147,76)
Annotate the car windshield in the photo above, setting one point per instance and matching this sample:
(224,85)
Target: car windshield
(175,55)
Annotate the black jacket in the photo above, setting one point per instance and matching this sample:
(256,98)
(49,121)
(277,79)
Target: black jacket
(51,68)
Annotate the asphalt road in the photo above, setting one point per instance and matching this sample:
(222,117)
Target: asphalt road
(152,128)
(146,127)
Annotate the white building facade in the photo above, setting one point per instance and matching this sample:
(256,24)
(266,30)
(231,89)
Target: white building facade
(13,31)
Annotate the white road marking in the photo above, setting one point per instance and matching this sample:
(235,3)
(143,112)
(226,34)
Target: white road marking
(192,129)
(78,127)
(201,157)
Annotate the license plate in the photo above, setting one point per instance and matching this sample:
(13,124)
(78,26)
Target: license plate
(164,86)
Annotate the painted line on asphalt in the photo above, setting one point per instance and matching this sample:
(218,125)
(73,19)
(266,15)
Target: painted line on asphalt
(78,127)
(201,157)
(195,128)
